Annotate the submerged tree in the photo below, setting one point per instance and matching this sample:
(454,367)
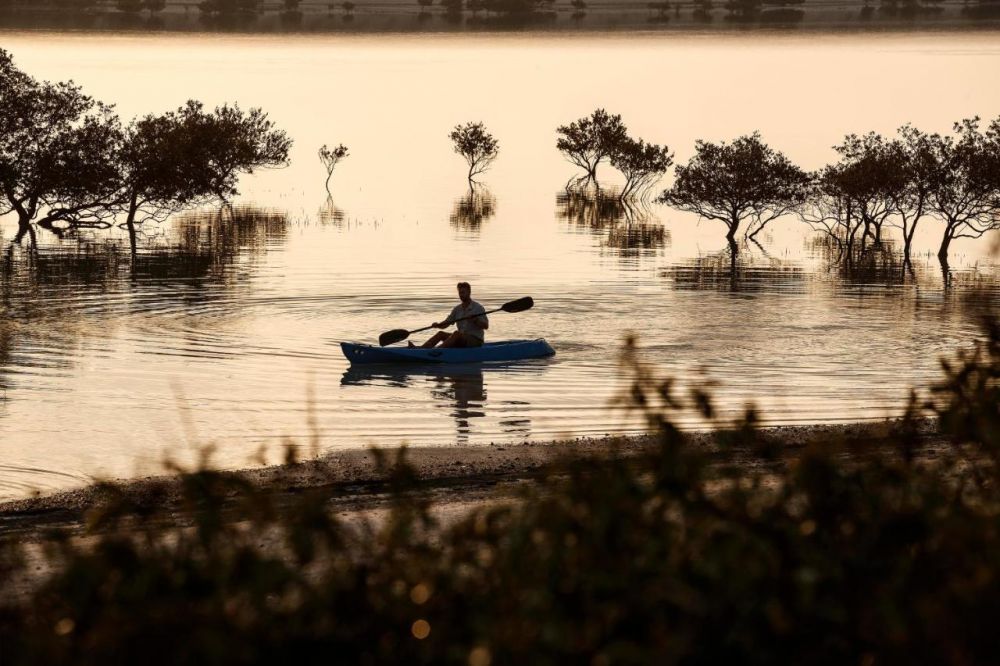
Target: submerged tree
(965,196)
(878,170)
(232,142)
(743,181)
(330,158)
(65,159)
(476,145)
(190,156)
(57,149)
(854,197)
(641,163)
(587,141)
(920,169)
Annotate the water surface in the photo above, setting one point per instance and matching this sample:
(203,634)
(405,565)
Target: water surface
(224,327)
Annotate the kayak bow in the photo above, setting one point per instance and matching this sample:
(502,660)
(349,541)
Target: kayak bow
(491,352)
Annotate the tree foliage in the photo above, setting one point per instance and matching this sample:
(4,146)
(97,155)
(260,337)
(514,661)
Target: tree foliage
(65,159)
(476,145)
(189,156)
(330,157)
(641,163)
(743,181)
(965,195)
(588,141)
(953,178)
(56,148)
(859,193)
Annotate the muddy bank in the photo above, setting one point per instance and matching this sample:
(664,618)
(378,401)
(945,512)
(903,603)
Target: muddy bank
(354,481)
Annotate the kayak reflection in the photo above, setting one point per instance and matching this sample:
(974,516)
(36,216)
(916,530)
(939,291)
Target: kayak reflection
(460,387)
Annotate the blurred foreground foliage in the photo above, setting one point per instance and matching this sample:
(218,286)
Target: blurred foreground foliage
(841,553)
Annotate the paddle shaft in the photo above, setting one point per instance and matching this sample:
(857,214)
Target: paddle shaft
(427,328)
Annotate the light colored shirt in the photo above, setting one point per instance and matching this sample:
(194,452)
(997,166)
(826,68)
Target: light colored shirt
(468,327)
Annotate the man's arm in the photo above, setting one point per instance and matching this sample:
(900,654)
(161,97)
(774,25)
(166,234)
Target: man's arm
(446,322)
(482,321)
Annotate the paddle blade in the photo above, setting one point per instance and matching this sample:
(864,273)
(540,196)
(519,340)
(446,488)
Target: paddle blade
(392,337)
(520,305)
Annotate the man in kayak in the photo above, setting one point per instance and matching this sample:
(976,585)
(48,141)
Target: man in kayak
(471,332)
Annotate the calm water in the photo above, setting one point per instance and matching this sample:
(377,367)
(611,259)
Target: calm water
(225,330)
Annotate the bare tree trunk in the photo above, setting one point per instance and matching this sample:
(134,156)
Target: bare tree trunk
(945,243)
(133,207)
(24,229)
(23,226)
(908,240)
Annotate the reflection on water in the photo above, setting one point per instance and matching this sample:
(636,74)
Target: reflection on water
(329,213)
(629,228)
(741,271)
(54,293)
(473,208)
(460,388)
(211,327)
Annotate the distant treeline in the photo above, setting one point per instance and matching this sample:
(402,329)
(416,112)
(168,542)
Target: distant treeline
(878,182)
(662,8)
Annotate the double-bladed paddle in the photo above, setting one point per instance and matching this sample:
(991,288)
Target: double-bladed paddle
(400,334)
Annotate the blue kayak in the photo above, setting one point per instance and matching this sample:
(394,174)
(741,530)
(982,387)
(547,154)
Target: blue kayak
(491,352)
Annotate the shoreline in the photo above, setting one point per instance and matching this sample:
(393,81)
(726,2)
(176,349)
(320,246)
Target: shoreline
(351,481)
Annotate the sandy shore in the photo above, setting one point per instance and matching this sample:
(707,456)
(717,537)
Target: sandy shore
(452,477)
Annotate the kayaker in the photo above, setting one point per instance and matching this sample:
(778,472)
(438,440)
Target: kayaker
(471,332)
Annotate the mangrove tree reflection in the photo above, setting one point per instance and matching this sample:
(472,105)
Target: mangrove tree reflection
(876,263)
(476,206)
(627,226)
(737,272)
(329,213)
(58,293)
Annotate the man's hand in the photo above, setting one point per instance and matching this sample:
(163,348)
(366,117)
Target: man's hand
(443,324)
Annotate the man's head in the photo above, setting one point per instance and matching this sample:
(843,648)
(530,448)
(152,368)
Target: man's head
(464,292)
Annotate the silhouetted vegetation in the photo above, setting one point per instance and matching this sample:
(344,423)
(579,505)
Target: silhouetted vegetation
(230,6)
(880,182)
(868,550)
(330,158)
(57,149)
(859,193)
(66,161)
(641,163)
(745,181)
(476,145)
(965,195)
(588,141)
